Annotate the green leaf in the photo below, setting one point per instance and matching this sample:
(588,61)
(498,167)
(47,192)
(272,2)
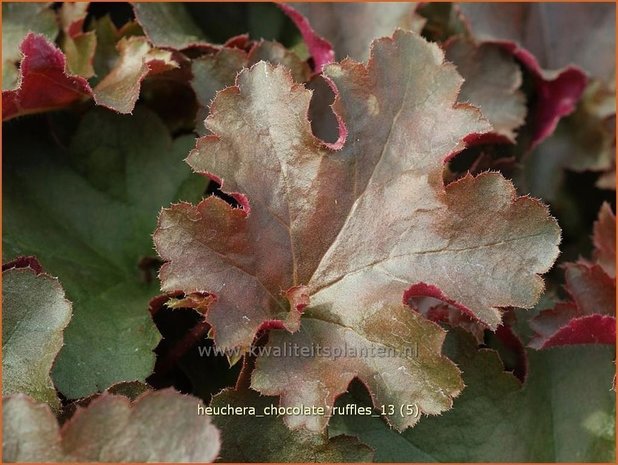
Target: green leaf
(159,426)
(87,212)
(184,25)
(278,443)
(564,412)
(34,315)
(105,54)
(18,19)
(169,25)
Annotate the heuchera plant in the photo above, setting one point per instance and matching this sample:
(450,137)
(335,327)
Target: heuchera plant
(433,182)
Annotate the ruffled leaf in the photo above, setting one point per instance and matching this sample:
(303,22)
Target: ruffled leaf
(492,83)
(34,315)
(158,426)
(119,90)
(589,317)
(214,72)
(558,34)
(320,49)
(44,83)
(352,258)
(557,91)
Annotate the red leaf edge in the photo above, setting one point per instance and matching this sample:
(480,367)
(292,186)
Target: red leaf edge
(321,49)
(429,290)
(589,329)
(44,83)
(24,262)
(557,91)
